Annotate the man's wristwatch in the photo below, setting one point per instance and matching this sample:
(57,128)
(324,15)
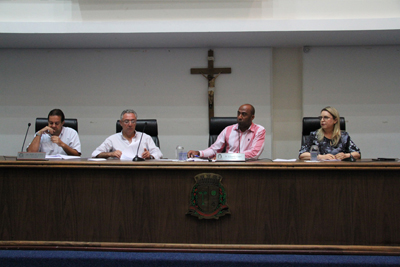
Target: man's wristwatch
(38,134)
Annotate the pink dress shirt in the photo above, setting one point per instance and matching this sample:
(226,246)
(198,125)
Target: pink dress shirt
(249,142)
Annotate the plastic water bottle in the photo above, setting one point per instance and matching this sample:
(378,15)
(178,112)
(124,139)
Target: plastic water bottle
(314,151)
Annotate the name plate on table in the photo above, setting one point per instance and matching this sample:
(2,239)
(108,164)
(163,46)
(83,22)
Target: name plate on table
(31,156)
(230,157)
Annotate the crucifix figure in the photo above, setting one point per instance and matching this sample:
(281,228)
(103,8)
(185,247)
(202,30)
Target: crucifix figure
(209,73)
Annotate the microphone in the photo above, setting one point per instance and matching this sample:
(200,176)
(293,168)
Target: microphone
(137,158)
(351,159)
(29,125)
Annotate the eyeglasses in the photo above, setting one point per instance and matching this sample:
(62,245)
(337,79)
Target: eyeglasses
(129,121)
(325,118)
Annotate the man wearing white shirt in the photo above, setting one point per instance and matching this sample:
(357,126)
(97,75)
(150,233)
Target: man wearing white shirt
(127,141)
(55,138)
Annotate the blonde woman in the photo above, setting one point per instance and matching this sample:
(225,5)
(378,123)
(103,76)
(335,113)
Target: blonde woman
(331,141)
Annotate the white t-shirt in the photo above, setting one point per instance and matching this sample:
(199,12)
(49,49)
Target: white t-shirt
(68,135)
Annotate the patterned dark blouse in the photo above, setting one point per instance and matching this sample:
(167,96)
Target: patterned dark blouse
(345,145)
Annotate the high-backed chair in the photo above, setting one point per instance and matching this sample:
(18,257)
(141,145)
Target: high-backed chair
(311,124)
(151,129)
(217,124)
(43,122)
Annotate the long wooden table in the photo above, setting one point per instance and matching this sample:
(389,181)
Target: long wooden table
(275,206)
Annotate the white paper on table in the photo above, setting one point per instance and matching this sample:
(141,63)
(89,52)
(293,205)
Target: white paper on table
(59,156)
(126,156)
(96,159)
(284,159)
(195,159)
(131,151)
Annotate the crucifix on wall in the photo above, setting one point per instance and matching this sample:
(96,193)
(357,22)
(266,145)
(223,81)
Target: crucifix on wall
(209,73)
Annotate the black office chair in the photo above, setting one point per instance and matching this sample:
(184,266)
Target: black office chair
(43,122)
(217,124)
(151,129)
(311,124)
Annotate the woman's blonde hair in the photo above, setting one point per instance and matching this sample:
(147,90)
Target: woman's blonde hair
(336,135)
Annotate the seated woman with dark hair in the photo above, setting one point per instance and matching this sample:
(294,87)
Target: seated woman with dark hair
(331,141)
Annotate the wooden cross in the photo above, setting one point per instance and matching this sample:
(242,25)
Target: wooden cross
(209,73)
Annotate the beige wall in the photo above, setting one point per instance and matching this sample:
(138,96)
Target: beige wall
(281,90)
(286,102)
(95,85)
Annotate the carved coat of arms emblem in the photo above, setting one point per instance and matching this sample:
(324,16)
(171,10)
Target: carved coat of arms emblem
(208,197)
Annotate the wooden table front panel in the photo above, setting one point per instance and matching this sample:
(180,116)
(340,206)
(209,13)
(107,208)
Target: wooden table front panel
(149,205)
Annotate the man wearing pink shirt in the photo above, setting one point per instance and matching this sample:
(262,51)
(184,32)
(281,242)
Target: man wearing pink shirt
(244,137)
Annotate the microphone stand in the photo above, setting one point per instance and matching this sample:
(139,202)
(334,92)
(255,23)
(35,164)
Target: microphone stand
(351,159)
(30,155)
(29,125)
(137,158)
